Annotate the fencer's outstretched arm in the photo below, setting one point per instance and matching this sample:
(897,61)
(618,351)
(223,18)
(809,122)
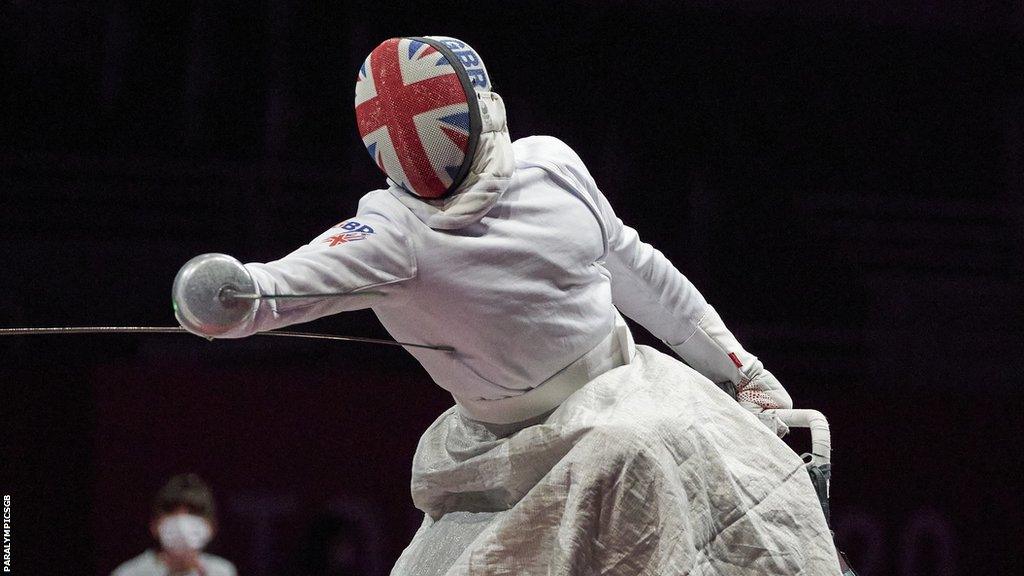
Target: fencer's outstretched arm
(648,288)
(362,254)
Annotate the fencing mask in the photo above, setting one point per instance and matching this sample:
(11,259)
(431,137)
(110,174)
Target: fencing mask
(418,106)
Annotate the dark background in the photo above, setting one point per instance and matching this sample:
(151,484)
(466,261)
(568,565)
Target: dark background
(843,180)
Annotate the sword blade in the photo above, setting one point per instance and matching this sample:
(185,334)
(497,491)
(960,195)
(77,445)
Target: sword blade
(231,294)
(58,330)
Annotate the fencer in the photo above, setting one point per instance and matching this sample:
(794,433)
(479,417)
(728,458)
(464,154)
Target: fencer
(570,450)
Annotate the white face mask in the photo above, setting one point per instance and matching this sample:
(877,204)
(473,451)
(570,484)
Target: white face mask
(184,532)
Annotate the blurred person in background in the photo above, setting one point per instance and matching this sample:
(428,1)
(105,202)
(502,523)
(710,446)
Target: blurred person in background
(183,523)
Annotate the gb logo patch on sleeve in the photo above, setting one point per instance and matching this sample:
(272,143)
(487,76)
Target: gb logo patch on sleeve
(353,231)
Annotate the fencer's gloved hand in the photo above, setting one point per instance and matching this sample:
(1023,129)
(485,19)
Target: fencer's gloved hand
(761,392)
(713,351)
(213,294)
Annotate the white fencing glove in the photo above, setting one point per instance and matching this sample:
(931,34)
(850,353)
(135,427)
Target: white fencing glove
(715,353)
(764,392)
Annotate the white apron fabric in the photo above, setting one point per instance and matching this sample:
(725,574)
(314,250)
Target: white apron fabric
(649,469)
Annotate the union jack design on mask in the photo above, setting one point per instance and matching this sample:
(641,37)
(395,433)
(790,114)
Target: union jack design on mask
(414,115)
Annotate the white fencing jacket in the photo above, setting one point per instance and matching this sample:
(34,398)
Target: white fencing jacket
(520,290)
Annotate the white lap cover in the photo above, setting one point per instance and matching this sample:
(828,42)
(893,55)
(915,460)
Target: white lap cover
(647,470)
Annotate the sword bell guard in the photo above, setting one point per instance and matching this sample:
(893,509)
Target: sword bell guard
(202,294)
